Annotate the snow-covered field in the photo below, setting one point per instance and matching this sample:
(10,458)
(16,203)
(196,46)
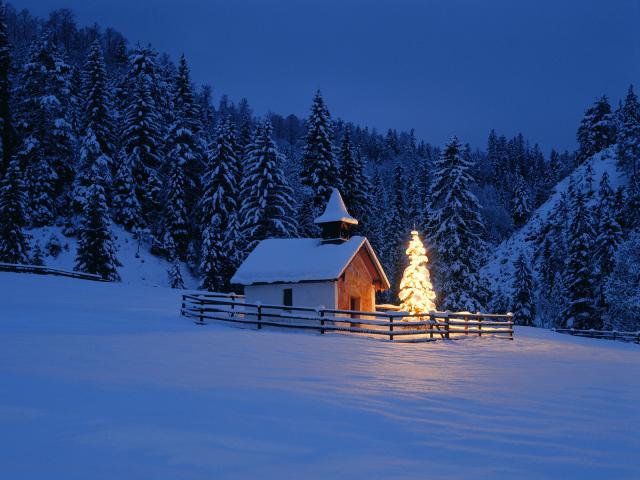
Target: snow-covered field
(104,381)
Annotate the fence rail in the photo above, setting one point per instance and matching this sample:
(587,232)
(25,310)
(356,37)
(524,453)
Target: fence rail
(605,334)
(40,270)
(398,326)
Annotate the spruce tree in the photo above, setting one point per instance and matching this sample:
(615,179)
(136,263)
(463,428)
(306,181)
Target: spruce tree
(622,291)
(524,309)
(267,199)
(456,231)
(46,152)
(398,226)
(579,273)
(355,186)
(7,133)
(96,252)
(219,210)
(213,262)
(175,276)
(176,225)
(97,142)
(319,168)
(597,129)
(608,238)
(631,208)
(14,247)
(186,137)
(142,147)
(184,100)
(521,207)
(629,133)
(97,108)
(221,190)
(127,210)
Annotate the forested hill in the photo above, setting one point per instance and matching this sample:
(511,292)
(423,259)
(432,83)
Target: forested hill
(96,131)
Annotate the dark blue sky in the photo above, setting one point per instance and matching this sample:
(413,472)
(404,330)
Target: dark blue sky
(443,67)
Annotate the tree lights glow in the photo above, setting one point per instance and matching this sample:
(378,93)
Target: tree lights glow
(416,292)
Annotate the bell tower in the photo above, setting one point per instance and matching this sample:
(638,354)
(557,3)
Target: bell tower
(336,223)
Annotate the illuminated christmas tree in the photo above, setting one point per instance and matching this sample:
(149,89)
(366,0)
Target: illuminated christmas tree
(416,292)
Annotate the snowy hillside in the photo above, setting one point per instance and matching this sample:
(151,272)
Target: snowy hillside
(105,380)
(499,269)
(139,266)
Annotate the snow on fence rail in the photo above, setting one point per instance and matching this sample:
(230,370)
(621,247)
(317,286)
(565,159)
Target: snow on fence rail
(606,334)
(400,326)
(11,267)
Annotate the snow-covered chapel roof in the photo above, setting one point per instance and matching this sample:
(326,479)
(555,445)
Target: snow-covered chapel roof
(336,210)
(280,260)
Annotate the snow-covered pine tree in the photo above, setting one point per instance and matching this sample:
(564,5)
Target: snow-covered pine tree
(186,133)
(175,276)
(141,141)
(184,101)
(97,143)
(97,97)
(127,210)
(580,272)
(398,226)
(607,239)
(319,167)
(14,247)
(7,134)
(93,163)
(456,231)
(219,206)
(521,205)
(416,292)
(608,231)
(96,252)
(597,129)
(46,152)
(267,202)
(631,201)
(176,225)
(213,263)
(622,291)
(221,190)
(355,185)
(629,133)
(524,308)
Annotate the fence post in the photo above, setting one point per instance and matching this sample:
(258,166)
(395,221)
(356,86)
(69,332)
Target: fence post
(466,325)
(391,328)
(321,322)
(479,324)
(259,317)
(183,305)
(431,320)
(510,315)
(446,325)
(201,318)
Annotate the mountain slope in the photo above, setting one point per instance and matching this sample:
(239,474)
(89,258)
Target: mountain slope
(499,268)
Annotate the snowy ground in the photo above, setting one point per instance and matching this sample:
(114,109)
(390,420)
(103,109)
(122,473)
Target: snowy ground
(105,381)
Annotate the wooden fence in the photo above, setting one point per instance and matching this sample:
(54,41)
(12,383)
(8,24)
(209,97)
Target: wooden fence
(40,270)
(605,334)
(398,326)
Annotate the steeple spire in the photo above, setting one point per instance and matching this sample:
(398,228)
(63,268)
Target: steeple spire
(336,222)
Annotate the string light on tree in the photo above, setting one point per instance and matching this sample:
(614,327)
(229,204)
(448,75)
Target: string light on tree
(416,292)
